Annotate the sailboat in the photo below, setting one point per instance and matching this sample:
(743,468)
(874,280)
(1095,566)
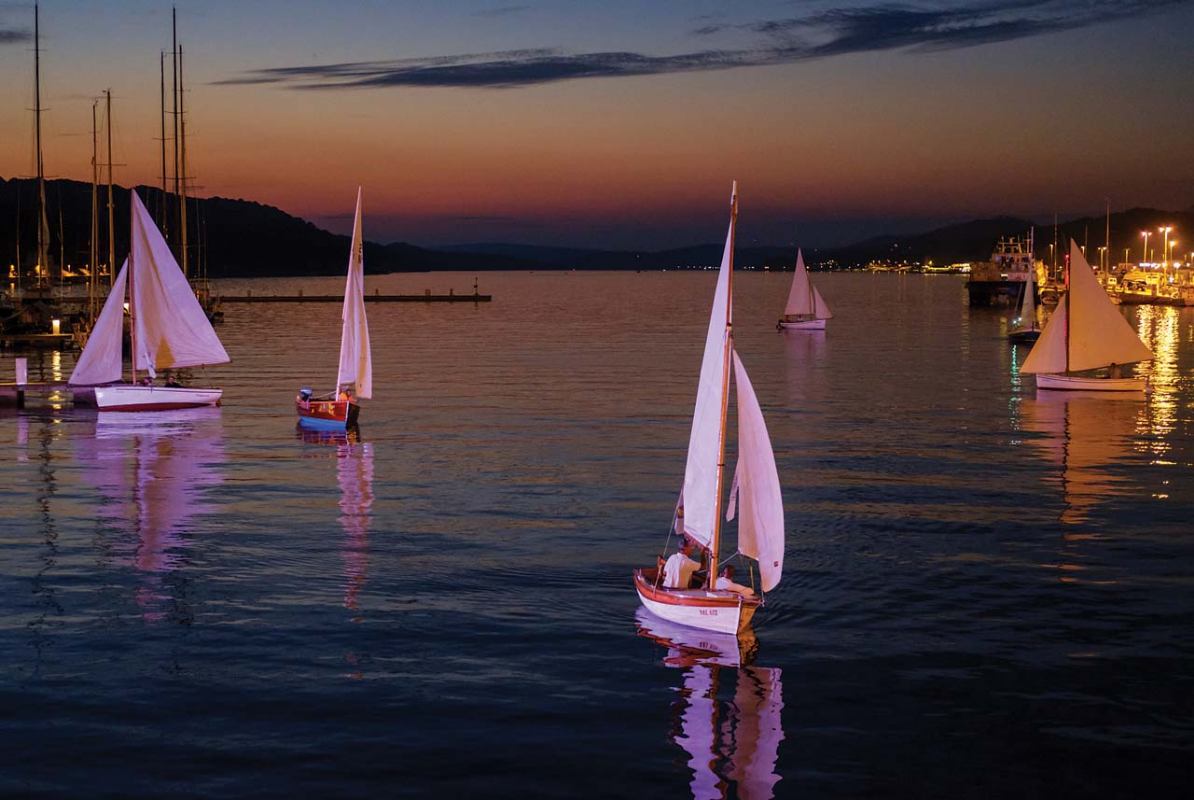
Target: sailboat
(755,486)
(167,330)
(338,410)
(1024,327)
(806,309)
(1086,335)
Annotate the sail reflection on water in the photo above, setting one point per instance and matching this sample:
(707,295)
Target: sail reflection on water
(732,744)
(354,473)
(1086,435)
(153,472)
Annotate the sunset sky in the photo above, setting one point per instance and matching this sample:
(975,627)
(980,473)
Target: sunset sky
(621,124)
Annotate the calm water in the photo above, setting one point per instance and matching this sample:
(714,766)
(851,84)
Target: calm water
(987,592)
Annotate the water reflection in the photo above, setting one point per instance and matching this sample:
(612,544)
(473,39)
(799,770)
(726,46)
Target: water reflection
(1159,328)
(1086,435)
(153,472)
(732,744)
(354,473)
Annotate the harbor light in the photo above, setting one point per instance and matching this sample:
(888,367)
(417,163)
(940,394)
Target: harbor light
(1144,256)
(55,326)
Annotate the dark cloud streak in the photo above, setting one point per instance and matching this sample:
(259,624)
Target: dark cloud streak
(823,34)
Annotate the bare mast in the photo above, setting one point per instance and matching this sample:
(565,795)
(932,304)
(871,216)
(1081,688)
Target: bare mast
(182,161)
(43,227)
(111,211)
(93,255)
(163,207)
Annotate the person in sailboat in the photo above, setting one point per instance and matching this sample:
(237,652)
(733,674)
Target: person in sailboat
(725,581)
(679,569)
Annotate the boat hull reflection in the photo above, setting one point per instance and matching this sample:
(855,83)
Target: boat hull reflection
(732,743)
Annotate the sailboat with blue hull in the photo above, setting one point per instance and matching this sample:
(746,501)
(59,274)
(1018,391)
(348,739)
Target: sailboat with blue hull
(339,410)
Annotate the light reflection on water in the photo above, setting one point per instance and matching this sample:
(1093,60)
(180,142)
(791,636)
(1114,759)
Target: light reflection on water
(441,601)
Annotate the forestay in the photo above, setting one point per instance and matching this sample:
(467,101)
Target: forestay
(356,362)
(700,472)
(1098,334)
(101,360)
(761,505)
(172,329)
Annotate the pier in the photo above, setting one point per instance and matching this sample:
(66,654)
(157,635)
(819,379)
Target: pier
(376,297)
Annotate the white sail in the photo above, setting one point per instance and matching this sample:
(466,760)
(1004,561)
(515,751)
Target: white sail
(761,517)
(172,329)
(1028,305)
(803,298)
(356,361)
(1048,354)
(101,360)
(700,472)
(1089,325)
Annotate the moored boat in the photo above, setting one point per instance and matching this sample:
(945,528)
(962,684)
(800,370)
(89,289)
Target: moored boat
(1087,342)
(718,604)
(168,330)
(1024,328)
(338,410)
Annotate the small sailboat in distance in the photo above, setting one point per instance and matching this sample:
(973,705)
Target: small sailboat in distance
(338,410)
(1025,329)
(1087,340)
(667,590)
(167,330)
(806,309)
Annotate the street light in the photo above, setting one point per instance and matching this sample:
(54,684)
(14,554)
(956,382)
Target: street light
(1144,257)
(1102,255)
(1165,246)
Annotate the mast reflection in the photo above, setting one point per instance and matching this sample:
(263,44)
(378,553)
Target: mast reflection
(733,745)
(1085,434)
(153,472)
(354,473)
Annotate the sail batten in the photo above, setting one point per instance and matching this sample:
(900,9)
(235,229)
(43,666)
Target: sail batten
(1087,331)
(356,361)
(172,330)
(760,501)
(101,359)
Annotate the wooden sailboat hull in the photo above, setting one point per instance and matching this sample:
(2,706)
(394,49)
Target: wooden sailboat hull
(326,415)
(801,325)
(719,611)
(1026,336)
(1087,383)
(126,397)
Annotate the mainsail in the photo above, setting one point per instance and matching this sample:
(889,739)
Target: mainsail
(1027,315)
(704,443)
(172,329)
(761,521)
(356,362)
(803,298)
(1087,331)
(100,361)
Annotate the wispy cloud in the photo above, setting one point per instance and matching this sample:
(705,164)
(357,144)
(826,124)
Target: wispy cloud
(820,34)
(501,11)
(10,36)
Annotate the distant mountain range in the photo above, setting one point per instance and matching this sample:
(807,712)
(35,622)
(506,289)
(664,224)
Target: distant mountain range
(241,238)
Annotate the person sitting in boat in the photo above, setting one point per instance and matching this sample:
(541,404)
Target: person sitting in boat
(345,393)
(1114,371)
(680,567)
(725,582)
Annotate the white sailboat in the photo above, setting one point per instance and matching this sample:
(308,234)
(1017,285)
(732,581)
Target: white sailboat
(1025,328)
(338,410)
(1085,336)
(755,489)
(167,330)
(806,309)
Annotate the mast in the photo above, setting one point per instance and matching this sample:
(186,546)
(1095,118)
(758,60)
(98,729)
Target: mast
(715,542)
(111,212)
(182,149)
(163,206)
(174,87)
(132,294)
(1068,320)
(93,255)
(43,245)
(1107,234)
